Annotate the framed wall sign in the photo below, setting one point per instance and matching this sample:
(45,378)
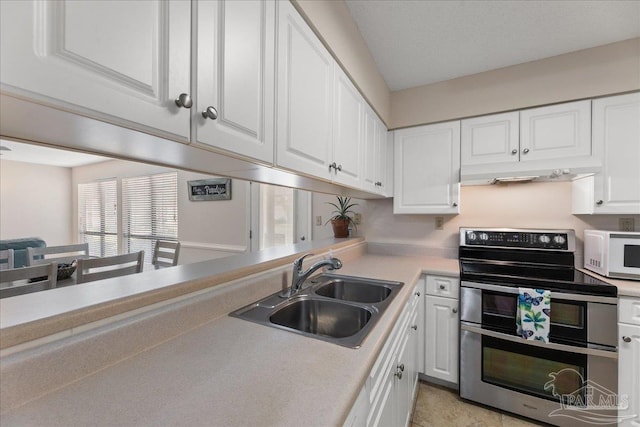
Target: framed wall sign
(210,189)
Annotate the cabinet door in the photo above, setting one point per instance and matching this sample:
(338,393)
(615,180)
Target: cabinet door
(629,374)
(383,177)
(616,141)
(370,148)
(383,411)
(557,131)
(427,169)
(236,57)
(490,139)
(123,62)
(441,340)
(404,380)
(305,97)
(347,131)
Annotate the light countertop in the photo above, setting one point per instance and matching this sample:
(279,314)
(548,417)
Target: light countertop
(232,372)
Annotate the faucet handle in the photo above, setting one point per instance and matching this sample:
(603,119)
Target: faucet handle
(298,262)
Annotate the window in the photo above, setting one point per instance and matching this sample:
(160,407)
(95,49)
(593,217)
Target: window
(98,217)
(149,211)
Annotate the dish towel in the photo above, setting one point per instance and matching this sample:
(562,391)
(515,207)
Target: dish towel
(533,314)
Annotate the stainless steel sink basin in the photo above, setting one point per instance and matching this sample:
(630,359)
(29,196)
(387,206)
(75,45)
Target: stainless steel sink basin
(330,307)
(322,317)
(357,290)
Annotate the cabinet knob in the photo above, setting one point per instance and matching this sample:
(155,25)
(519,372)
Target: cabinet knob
(414,327)
(514,151)
(454,204)
(442,287)
(398,374)
(339,168)
(378,184)
(332,166)
(626,339)
(184,100)
(525,151)
(599,202)
(401,367)
(418,293)
(210,113)
(454,310)
(303,238)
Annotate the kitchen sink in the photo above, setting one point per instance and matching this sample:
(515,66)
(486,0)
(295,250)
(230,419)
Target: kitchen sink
(329,307)
(322,317)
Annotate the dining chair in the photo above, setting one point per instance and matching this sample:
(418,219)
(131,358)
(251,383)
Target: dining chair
(165,253)
(90,269)
(48,273)
(66,254)
(6,259)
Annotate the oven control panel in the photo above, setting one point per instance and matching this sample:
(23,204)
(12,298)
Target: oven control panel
(563,240)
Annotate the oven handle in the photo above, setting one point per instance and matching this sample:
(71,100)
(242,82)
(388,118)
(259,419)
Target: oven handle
(553,346)
(554,294)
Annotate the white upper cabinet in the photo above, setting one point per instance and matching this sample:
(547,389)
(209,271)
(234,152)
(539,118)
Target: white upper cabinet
(305,85)
(616,141)
(556,131)
(490,139)
(375,153)
(347,131)
(236,80)
(123,62)
(427,169)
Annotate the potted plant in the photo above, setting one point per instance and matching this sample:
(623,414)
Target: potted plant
(341,220)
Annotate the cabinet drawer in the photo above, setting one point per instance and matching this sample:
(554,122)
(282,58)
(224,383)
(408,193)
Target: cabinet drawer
(443,286)
(629,311)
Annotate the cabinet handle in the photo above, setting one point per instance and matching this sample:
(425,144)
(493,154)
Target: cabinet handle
(454,310)
(184,100)
(401,367)
(525,151)
(514,151)
(599,202)
(418,293)
(626,339)
(210,113)
(442,287)
(414,327)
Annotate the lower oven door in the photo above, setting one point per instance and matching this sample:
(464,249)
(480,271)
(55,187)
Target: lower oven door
(554,383)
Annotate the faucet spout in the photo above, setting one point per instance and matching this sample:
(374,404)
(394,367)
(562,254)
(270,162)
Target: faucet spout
(299,276)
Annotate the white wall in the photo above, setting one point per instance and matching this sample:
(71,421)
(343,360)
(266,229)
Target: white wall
(531,205)
(207,230)
(35,201)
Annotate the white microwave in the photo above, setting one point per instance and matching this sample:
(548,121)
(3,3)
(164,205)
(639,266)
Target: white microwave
(612,253)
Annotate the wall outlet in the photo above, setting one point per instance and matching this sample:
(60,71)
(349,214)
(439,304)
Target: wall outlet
(439,223)
(626,224)
(357,218)
(318,220)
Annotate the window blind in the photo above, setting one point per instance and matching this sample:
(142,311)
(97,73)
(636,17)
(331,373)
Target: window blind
(98,217)
(149,211)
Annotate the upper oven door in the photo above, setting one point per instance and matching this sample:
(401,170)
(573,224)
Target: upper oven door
(494,308)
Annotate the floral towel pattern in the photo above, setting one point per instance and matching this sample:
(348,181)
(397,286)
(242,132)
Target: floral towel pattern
(533,314)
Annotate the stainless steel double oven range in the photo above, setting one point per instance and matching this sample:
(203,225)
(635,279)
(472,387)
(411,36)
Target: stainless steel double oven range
(565,381)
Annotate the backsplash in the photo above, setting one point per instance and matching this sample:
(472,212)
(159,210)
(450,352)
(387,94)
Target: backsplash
(531,205)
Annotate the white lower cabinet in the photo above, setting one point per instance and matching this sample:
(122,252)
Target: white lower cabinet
(392,384)
(442,329)
(628,361)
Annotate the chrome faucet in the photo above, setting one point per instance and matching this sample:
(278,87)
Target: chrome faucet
(299,277)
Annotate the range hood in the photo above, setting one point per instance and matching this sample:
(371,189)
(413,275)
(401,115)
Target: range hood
(551,170)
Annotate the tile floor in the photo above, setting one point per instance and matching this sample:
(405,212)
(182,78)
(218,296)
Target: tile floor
(442,407)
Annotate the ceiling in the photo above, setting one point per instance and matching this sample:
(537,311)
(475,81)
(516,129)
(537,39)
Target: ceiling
(30,153)
(419,42)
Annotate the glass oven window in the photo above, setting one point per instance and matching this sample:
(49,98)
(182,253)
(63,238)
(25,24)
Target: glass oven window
(571,315)
(527,369)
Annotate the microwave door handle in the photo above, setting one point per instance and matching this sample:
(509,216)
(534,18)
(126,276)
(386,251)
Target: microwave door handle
(553,346)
